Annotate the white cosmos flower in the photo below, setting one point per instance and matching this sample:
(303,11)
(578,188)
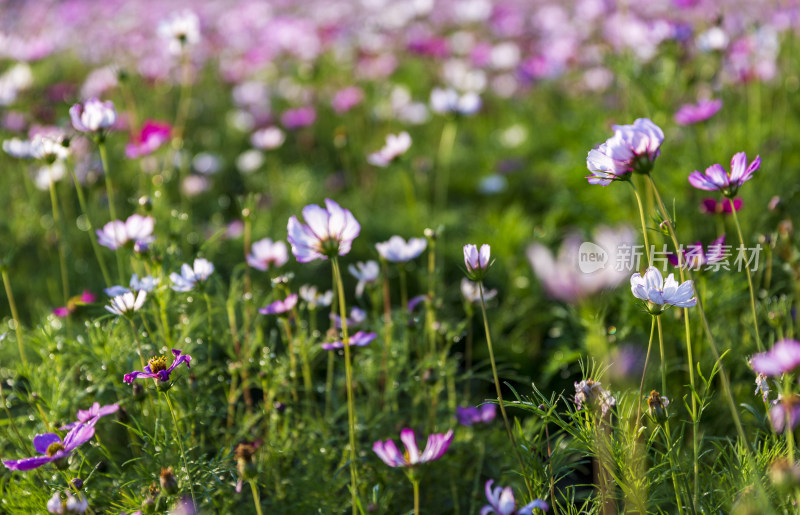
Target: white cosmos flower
(659,292)
(127,303)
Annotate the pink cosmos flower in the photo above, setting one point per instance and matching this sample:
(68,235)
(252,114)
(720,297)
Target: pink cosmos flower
(359,339)
(327,233)
(699,112)
(299,117)
(717,179)
(633,148)
(264,253)
(280,307)
(137,230)
(83,299)
(436,447)
(782,358)
(347,98)
(93,115)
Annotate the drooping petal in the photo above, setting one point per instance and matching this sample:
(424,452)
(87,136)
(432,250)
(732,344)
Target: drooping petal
(701,182)
(78,435)
(410,441)
(43,441)
(27,463)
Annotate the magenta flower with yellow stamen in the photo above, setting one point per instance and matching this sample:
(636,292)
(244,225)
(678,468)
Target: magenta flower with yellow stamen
(632,149)
(157,367)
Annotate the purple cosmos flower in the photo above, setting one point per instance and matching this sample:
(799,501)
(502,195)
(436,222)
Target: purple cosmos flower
(313,298)
(660,293)
(146,283)
(633,148)
(717,179)
(73,504)
(782,358)
(396,146)
(472,293)
(93,115)
(437,445)
(359,339)
(476,415)
(779,410)
(280,307)
(711,206)
(591,394)
(136,230)
(695,113)
(397,250)
(83,299)
(264,253)
(298,118)
(152,135)
(327,233)
(502,502)
(357,316)
(366,273)
(92,415)
(157,367)
(127,303)
(414,302)
(477,262)
(694,257)
(53,448)
(199,272)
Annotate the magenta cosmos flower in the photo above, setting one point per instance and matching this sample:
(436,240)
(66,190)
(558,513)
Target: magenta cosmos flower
(782,358)
(74,303)
(157,367)
(711,206)
(436,447)
(695,257)
(327,232)
(93,115)
(633,148)
(699,112)
(717,179)
(265,253)
(502,502)
(298,118)
(53,448)
(152,135)
(280,307)
(360,339)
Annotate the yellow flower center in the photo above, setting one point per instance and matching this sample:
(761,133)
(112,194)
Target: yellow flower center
(54,448)
(157,364)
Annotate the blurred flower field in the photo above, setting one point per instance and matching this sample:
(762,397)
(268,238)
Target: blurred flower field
(420,256)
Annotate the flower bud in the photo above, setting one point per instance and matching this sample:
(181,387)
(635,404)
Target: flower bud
(168,481)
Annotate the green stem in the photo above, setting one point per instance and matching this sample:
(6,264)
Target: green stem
(641,219)
(415,483)
(179,437)
(256,499)
(62,258)
(292,360)
(15,315)
(500,395)
(92,235)
(787,394)
(644,371)
(663,361)
(351,410)
(749,277)
(112,210)
(443,158)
